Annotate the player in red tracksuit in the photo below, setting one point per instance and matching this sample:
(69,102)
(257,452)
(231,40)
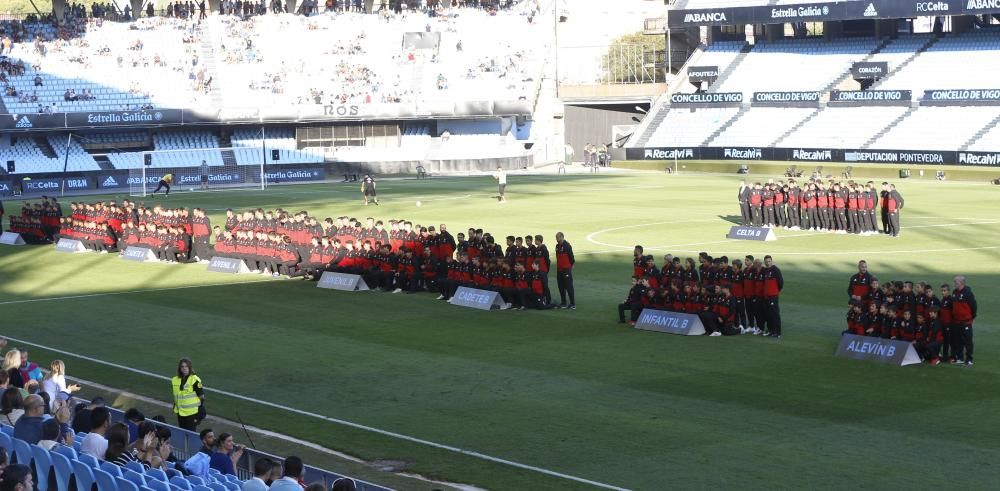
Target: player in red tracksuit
(933,337)
(839,205)
(861,283)
(773,284)
(963,313)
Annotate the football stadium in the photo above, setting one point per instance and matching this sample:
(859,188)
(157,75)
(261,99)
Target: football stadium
(326,245)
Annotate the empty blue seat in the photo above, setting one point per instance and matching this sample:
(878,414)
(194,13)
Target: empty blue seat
(232,485)
(135,477)
(7,430)
(156,474)
(105,481)
(201,488)
(172,473)
(63,471)
(195,480)
(126,485)
(180,482)
(77,444)
(7,443)
(90,460)
(136,466)
(111,468)
(65,451)
(43,463)
(83,473)
(22,452)
(157,485)
(217,487)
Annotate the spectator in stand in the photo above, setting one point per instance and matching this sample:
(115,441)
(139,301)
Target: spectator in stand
(344,484)
(95,444)
(63,414)
(29,426)
(261,473)
(50,435)
(133,418)
(29,370)
(12,365)
(11,406)
(290,476)
(17,477)
(118,451)
(81,416)
(55,382)
(227,453)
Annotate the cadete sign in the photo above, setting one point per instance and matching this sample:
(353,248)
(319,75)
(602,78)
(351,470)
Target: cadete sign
(887,351)
(70,245)
(740,232)
(229,265)
(342,281)
(10,238)
(670,322)
(477,299)
(139,254)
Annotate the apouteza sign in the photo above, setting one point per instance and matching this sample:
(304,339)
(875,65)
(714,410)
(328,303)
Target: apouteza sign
(699,74)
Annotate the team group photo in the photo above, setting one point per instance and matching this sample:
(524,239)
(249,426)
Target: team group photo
(301,245)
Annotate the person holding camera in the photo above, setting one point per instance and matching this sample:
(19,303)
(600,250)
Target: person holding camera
(189,396)
(227,453)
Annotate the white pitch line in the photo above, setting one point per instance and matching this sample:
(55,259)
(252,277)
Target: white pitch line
(128,292)
(343,422)
(673,247)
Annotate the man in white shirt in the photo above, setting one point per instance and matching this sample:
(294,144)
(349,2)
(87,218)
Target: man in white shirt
(95,444)
(501,177)
(261,471)
(290,477)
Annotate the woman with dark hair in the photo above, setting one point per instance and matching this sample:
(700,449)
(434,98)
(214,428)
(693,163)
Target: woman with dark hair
(189,396)
(118,452)
(11,406)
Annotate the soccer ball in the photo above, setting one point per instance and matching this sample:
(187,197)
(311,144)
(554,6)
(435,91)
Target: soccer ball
(418,204)
(191,189)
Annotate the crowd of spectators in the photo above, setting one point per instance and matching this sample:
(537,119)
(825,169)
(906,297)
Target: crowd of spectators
(42,409)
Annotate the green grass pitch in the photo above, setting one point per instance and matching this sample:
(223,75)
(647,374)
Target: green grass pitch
(569,391)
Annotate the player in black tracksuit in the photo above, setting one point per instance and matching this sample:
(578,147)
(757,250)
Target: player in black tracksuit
(564,271)
(635,294)
(368,189)
(743,197)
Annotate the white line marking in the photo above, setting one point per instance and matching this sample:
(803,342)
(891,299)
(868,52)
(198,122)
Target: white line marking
(129,292)
(392,434)
(673,247)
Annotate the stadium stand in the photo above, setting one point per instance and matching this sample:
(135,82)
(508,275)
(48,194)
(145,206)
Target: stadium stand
(47,154)
(249,147)
(916,62)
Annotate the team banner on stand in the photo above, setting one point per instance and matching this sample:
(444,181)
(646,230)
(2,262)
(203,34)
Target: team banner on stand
(10,238)
(342,281)
(228,265)
(70,245)
(139,254)
(742,232)
(887,351)
(871,97)
(707,99)
(786,99)
(670,322)
(476,299)
(968,97)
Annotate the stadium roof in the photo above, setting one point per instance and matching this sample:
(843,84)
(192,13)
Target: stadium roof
(729,12)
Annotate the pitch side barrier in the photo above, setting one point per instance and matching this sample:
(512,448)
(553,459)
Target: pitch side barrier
(827,11)
(187,443)
(111,181)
